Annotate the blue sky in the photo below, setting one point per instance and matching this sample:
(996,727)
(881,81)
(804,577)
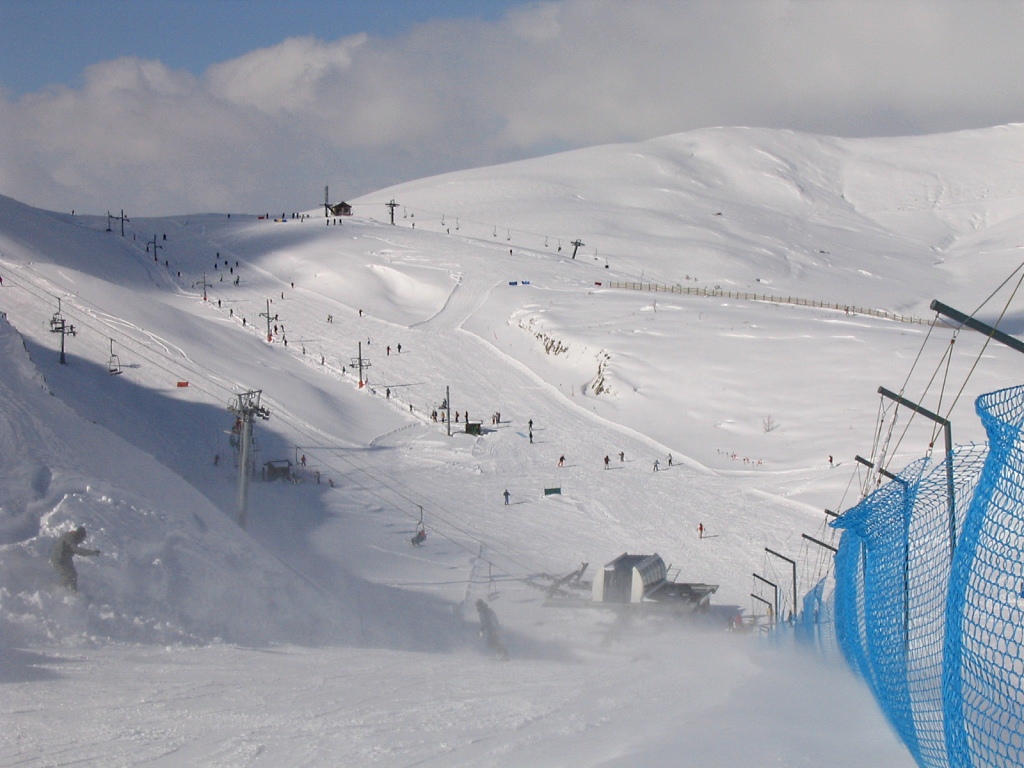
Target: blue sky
(173,106)
(45,42)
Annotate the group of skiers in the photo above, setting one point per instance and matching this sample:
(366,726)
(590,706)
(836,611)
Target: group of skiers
(607,459)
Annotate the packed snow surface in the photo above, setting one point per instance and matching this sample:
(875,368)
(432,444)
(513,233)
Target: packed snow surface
(318,634)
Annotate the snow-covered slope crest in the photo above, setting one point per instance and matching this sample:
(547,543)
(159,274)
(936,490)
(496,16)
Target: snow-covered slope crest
(745,208)
(172,568)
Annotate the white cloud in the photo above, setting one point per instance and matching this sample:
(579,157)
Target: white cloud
(288,77)
(267,129)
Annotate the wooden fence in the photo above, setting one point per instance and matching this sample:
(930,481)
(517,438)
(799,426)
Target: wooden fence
(849,309)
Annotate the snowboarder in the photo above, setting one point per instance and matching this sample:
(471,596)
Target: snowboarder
(506,495)
(489,629)
(63,555)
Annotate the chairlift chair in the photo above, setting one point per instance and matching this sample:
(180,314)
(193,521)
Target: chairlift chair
(114,366)
(421,531)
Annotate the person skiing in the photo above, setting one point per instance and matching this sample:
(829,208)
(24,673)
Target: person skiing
(399,348)
(606,462)
(489,629)
(622,456)
(670,459)
(506,495)
(700,530)
(656,465)
(561,461)
(63,555)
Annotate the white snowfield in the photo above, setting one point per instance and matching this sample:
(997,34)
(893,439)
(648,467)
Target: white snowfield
(318,635)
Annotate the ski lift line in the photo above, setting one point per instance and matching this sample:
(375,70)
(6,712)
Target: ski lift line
(80,315)
(446,521)
(295,425)
(393,486)
(145,354)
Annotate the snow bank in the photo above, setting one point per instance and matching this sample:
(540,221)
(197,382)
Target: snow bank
(172,569)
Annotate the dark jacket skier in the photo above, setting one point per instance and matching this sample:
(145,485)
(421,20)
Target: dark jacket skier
(489,629)
(63,554)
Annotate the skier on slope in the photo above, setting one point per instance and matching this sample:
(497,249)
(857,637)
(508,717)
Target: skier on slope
(489,629)
(63,554)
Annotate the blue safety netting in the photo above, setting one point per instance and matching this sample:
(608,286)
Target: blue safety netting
(928,603)
(984,664)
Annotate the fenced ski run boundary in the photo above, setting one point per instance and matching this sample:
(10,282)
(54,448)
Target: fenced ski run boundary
(684,290)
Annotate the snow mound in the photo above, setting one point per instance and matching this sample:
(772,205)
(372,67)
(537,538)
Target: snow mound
(172,568)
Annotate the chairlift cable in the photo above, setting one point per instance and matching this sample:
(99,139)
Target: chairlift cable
(397,488)
(147,353)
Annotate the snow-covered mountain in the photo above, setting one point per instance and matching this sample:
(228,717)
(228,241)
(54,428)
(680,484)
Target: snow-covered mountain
(318,635)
